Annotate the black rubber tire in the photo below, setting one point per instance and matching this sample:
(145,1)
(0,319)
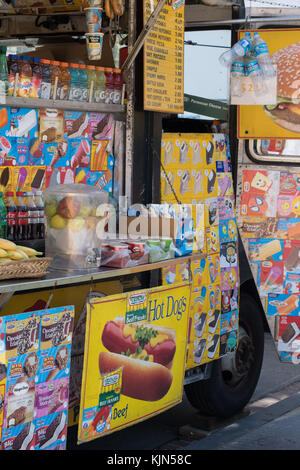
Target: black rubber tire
(213,397)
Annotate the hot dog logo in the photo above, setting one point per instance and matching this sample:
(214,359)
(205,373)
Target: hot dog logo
(145,352)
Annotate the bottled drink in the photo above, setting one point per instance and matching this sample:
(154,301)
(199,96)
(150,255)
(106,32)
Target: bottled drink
(64,83)
(25,78)
(36,77)
(100,85)
(91,72)
(118,86)
(40,211)
(253,71)
(3,72)
(45,89)
(237,72)
(3,218)
(109,88)
(55,78)
(239,49)
(11,210)
(75,90)
(13,75)
(32,216)
(22,218)
(83,81)
(263,56)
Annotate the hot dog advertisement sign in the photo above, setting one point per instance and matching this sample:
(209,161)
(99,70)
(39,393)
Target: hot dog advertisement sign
(134,359)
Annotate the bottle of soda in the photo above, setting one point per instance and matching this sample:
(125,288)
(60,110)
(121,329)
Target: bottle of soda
(55,78)
(3,218)
(22,218)
(64,84)
(3,72)
(32,216)
(13,75)
(11,210)
(45,90)
(25,78)
(118,86)
(40,210)
(109,89)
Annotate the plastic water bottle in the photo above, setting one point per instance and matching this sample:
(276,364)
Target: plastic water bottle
(3,72)
(253,71)
(237,72)
(239,49)
(83,81)
(263,56)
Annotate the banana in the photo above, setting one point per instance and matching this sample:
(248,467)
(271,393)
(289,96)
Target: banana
(5,261)
(3,253)
(31,252)
(17,255)
(7,245)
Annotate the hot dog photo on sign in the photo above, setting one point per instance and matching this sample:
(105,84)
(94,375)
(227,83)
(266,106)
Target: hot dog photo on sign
(144,351)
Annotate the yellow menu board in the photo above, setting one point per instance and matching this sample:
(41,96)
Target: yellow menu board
(163,58)
(134,358)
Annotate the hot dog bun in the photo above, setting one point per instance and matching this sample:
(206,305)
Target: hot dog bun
(122,339)
(141,380)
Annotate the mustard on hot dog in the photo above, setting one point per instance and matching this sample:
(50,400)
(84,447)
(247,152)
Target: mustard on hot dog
(141,380)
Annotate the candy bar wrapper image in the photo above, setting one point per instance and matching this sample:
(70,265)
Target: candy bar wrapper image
(51,125)
(51,397)
(101,126)
(76,124)
(289,334)
(258,227)
(51,431)
(20,437)
(56,327)
(283,304)
(21,122)
(54,363)
(270,277)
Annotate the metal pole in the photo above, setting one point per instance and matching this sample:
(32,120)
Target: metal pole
(264,19)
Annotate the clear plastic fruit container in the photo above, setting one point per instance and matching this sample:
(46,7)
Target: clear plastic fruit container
(75,218)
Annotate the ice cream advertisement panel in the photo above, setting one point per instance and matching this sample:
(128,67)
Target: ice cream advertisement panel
(134,360)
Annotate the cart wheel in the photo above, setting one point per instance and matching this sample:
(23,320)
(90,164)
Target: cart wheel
(234,376)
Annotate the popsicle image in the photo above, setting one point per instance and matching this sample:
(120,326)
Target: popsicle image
(99,156)
(168,153)
(3,117)
(211,269)
(199,300)
(37,181)
(286,306)
(184,149)
(198,182)
(196,153)
(21,178)
(266,251)
(274,275)
(4,178)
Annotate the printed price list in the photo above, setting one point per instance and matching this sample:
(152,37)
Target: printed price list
(164,58)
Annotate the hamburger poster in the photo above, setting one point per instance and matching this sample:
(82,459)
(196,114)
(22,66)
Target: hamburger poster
(280,120)
(134,358)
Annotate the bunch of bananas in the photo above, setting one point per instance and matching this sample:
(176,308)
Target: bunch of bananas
(9,252)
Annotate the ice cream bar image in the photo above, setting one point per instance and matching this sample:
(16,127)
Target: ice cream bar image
(294,231)
(274,275)
(290,333)
(287,306)
(200,325)
(209,153)
(25,125)
(224,184)
(293,260)
(212,346)
(22,178)
(69,176)
(196,153)
(267,250)
(213,321)
(184,149)
(198,182)
(168,182)
(168,153)
(198,352)
(38,179)
(4,178)
(55,179)
(211,179)
(3,117)
(184,182)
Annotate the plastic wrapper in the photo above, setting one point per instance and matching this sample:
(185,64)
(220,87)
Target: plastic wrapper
(160,249)
(75,216)
(124,253)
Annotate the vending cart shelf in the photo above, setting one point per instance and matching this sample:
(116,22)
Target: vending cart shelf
(56,277)
(61,104)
